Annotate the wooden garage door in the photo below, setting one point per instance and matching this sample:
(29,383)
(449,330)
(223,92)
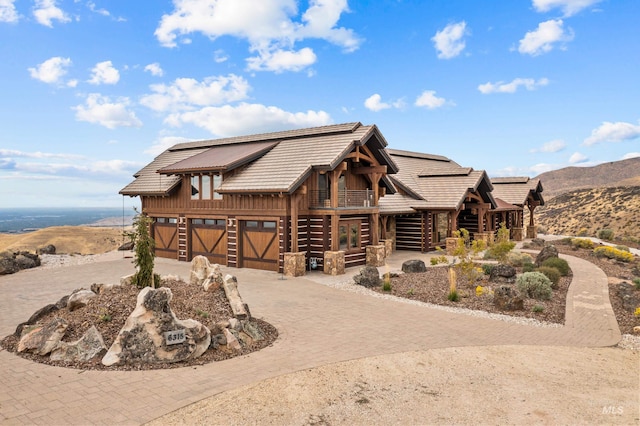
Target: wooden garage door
(209,239)
(260,245)
(165,235)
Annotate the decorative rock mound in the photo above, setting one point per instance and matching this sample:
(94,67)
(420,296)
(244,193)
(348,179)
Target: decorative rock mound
(507,298)
(153,334)
(502,273)
(413,266)
(83,349)
(79,299)
(368,277)
(547,252)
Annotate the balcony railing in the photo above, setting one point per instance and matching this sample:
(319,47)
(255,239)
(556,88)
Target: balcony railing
(348,198)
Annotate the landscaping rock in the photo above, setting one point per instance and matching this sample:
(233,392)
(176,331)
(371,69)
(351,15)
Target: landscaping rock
(79,299)
(232,341)
(48,249)
(547,252)
(503,273)
(413,266)
(506,298)
(239,308)
(42,339)
(200,269)
(8,264)
(142,340)
(368,277)
(128,246)
(214,280)
(83,349)
(252,330)
(27,260)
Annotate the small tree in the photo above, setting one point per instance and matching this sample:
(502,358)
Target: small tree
(501,248)
(144,249)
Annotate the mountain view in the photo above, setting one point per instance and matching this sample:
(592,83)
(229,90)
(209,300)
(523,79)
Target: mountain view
(584,200)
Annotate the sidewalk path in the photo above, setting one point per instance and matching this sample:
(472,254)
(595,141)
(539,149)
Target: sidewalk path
(317,324)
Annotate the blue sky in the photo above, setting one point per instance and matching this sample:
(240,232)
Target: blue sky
(93,90)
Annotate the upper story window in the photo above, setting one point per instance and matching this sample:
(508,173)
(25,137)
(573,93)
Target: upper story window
(204,187)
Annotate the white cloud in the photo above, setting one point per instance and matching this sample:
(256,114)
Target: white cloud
(188,93)
(46,12)
(247,118)
(100,11)
(8,11)
(555,145)
(542,167)
(282,60)
(543,39)
(104,73)
(613,132)
(219,56)
(631,155)
(374,103)
(268,26)
(52,70)
(449,42)
(163,143)
(429,100)
(101,110)
(577,157)
(512,87)
(568,7)
(154,69)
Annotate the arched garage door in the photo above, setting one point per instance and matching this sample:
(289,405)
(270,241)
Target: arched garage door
(165,235)
(209,239)
(260,244)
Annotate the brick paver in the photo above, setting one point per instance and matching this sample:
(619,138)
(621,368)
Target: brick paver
(317,324)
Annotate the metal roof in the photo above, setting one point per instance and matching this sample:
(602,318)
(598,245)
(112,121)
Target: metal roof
(516,190)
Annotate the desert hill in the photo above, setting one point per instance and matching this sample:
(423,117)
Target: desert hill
(617,173)
(66,239)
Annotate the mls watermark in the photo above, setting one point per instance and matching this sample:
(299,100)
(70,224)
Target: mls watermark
(613,410)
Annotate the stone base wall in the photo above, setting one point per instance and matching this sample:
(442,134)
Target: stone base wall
(334,262)
(294,264)
(532,231)
(376,255)
(450,245)
(517,234)
(388,247)
(483,236)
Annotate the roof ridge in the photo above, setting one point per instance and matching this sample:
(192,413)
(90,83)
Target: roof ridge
(413,154)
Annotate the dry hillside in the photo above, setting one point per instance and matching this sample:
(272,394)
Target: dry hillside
(67,239)
(586,211)
(617,173)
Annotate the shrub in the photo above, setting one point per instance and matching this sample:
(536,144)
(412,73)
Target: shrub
(501,248)
(487,268)
(144,253)
(528,267)
(386,285)
(538,308)
(583,232)
(613,253)
(534,285)
(623,248)
(606,234)
(438,259)
(518,259)
(584,243)
(636,282)
(552,273)
(560,264)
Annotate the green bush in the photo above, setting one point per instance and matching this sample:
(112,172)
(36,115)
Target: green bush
(518,259)
(560,264)
(487,268)
(502,246)
(534,285)
(623,248)
(636,282)
(552,273)
(528,267)
(606,234)
(584,243)
(613,253)
(538,308)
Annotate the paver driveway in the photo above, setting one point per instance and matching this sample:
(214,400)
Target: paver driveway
(317,324)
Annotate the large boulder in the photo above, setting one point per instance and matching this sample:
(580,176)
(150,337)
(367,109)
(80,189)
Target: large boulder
(547,252)
(26,260)
(368,277)
(238,307)
(153,334)
(413,266)
(48,249)
(42,339)
(200,269)
(79,299)
(8,264)
(503,273)
(83,349)
(506,298)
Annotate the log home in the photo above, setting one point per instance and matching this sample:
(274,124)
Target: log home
(248,201)
(514,194)
(435,197)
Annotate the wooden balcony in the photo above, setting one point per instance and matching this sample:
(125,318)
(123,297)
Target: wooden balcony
(347,198)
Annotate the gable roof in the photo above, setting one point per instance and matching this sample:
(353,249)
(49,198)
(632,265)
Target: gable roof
(516,190)
(440,182)
(277,162)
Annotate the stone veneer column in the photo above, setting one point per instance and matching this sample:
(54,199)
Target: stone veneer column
(375,255)
(294,264)
(334,262)
(532,231)
(517,234)
(481,236)
(388,247)
(450,245)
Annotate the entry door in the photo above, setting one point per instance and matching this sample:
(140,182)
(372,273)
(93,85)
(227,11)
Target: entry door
(260,245)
